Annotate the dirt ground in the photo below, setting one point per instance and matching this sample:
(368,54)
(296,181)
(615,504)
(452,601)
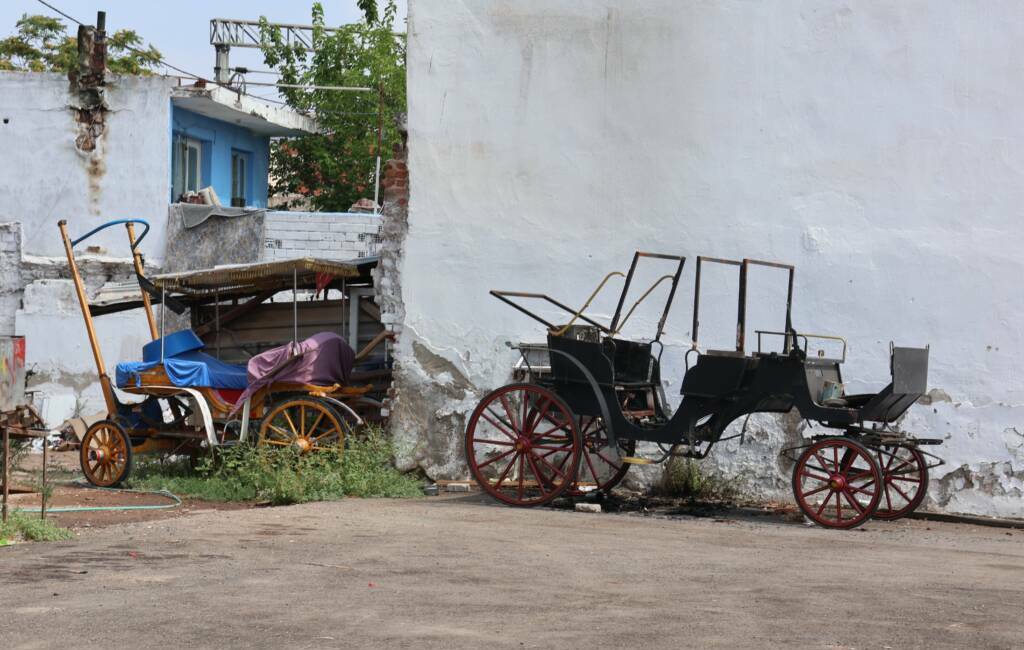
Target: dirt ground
(459,572)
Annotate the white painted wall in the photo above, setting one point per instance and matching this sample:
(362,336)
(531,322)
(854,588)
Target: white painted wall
(44,178)
(876,145)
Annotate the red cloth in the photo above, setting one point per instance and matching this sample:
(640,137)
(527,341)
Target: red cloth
(323,359)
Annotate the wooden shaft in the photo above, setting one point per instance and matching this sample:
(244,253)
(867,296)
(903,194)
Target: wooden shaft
(137,259)
(108,391)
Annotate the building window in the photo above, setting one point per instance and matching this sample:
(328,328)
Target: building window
(187,165)
(239,178)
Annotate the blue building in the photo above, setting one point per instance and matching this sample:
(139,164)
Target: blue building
(221,139)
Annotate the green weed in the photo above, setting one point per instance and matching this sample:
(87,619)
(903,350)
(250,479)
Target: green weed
(684,477)
(282,476)
(21,526)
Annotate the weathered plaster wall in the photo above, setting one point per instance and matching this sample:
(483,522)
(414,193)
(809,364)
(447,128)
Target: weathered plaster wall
(876,145)
(44,177)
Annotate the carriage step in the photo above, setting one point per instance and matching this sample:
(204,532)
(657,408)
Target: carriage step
(636,460)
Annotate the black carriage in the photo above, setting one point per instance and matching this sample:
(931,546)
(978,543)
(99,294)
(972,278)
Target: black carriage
(589,395)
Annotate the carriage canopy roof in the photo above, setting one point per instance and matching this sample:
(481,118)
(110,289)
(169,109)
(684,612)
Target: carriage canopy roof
(258,276)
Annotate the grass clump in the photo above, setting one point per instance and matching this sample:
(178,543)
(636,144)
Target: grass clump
(684,477)
(283,476)
(30,528)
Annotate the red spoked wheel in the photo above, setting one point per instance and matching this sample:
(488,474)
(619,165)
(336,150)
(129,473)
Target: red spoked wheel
(601,467)
(904,480)
(522,445)
(837,483)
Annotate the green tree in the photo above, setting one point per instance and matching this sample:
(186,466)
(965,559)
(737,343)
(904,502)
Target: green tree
(42,44)
(336,167)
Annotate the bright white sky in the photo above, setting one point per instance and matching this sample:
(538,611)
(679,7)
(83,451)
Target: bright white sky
(180,29)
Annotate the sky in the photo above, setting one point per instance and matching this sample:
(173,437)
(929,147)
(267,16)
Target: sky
(180,29)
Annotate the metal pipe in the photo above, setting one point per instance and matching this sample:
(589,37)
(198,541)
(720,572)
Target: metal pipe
(42,505)
(295,306)
(216,318)
(105,386)
(7,471)
(741,311)
(696,305)
(163,312)
(625,289)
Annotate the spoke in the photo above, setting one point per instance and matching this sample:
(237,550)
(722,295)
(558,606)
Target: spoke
(537,416)
(839,507)
(896,469)
(823,462)
(284,434)
(902,493)
(540,479)
(888,499)
(509,411)
(816,478)
(892,458)
(835,458)
(507,468)
(279,443)
(302,420)
(605,459)
(553,448)
(859,490)
(593,472)
(825,502)
(853,502)
(905,478)
(497,426)
(816,490)
(491,460)
(290,423)
(553,468)
(547,433)
(333,431)
(312,427)
(521,476)
(503,443)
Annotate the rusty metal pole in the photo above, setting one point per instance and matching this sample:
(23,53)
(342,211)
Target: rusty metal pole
(42,488)
(7,471)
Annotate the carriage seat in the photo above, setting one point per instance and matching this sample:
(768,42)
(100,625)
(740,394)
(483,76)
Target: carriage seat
(185,363)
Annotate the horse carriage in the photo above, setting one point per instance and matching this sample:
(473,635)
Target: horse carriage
(298,395)
(590,395)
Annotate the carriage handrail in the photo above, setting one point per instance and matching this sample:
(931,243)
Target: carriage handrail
(805,337)
(615,325)
(115,222)
(629,313)
(579,314)
(505,295)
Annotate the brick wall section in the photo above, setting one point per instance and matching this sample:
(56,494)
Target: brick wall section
(327,235)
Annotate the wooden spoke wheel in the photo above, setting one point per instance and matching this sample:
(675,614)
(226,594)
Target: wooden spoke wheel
(601,466)
(523,446)
(105,454)
(837,483)
(305,424)
(904,480)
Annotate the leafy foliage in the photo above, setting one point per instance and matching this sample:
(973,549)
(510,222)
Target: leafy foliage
(41,44)
(336,168)
(684,477)
(282,476)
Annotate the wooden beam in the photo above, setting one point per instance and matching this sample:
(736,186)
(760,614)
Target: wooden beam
(377,340)
(235,312)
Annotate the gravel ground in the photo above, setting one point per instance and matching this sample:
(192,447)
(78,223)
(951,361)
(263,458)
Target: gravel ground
(458,572)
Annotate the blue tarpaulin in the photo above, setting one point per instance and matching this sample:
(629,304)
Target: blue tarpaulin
(188,368)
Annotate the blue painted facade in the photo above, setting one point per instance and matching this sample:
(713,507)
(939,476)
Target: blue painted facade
(219,141)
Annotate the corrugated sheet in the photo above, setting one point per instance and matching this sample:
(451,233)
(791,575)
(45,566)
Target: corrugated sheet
(259,275)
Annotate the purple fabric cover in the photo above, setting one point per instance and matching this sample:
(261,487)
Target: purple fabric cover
(323,359)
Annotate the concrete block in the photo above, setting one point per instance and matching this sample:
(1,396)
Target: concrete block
(588,507)
(457,487)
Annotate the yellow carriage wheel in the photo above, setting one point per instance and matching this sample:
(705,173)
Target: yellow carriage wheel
(106,454)
(306,424)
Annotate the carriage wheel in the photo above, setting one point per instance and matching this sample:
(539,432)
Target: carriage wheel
(304,423)
(105,454)
(837,483)
(601,464)
(904,480)
(523,445)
